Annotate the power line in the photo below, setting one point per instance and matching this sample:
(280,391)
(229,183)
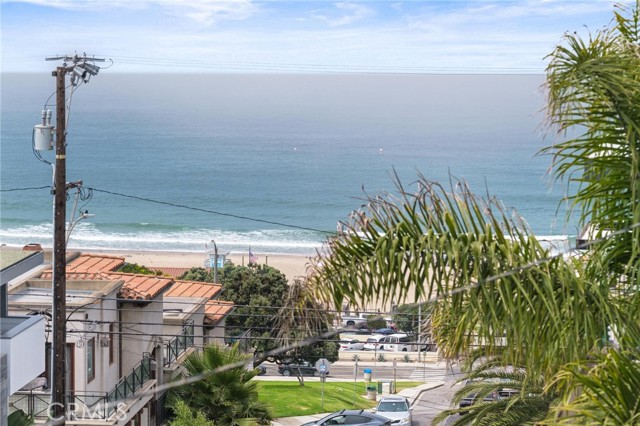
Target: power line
(182,206)
(25,189)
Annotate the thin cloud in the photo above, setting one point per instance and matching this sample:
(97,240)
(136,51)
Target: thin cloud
(211,11)
(202,11)
(349,13)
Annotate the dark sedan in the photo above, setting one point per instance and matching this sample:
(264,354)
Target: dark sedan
(302,369)
(351,418)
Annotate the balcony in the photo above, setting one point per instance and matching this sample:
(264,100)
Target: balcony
(83,405)
(22,339)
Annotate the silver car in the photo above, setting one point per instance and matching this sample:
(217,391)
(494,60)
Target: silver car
(395,408)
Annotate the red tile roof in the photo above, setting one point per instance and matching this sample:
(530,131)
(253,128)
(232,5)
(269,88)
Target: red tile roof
(193,289)
(140,287)
(95,276)
(217,309)
(94,263)
(135,287)
(172,272)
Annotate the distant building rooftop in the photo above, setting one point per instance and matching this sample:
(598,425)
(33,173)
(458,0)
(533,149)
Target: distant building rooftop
(193,289)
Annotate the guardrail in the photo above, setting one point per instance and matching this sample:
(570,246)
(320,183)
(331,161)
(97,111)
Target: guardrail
(179,344)
(85,405)
(129,384)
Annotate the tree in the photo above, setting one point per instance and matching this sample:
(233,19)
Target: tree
(407,317)
(257,291)
(134,268)
(224,392)
(490,280)
(303,331)
(198,274)
(375,322)
(185,417)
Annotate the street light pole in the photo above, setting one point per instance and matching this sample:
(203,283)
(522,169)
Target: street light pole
(215,262)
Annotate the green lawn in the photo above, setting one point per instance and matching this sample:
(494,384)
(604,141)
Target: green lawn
(291,399)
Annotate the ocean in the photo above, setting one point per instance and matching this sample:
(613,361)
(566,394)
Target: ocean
(268,163)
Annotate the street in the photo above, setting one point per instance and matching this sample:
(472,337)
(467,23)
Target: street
(426,406)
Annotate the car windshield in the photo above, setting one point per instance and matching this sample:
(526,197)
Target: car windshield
(393,406)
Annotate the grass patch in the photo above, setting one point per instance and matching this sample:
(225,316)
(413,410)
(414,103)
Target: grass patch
(288,398)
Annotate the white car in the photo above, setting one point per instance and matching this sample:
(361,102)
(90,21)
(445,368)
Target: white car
(374,343)
(395,408)
(351,345)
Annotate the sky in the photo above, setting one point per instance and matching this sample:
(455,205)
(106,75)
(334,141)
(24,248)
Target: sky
(428,36)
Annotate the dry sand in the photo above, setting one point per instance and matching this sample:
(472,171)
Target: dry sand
(291,265)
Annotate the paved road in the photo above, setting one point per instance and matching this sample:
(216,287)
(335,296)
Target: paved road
(432,402)
(402,371)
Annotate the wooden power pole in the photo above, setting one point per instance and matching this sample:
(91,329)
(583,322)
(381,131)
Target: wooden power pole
(59,254)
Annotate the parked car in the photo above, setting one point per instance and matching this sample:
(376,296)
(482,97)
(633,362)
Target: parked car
(395,408)
(262,370)
(470,399)
(351,345)
(351,418)
(385,331)
(354,320)
(397,343)
(373,343)
(303,369)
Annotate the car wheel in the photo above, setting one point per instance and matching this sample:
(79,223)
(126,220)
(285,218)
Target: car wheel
(404,349)
(316,373)
(286,373)
(350,323)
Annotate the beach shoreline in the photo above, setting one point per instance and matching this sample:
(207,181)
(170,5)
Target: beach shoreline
(292,266)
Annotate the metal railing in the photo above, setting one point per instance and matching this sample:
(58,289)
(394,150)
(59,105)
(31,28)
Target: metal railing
(37,404)
(80,405)
(129,384)
(179,344)
(33,403)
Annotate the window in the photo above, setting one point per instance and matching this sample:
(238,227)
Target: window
(357,420)
(91,359)
(337,420)
(111,343)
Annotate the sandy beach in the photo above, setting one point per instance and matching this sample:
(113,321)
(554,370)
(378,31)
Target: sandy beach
(290,265)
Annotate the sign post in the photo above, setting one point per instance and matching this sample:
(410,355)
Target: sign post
(322,365)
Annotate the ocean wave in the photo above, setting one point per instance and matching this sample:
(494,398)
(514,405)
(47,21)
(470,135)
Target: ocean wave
(86,236)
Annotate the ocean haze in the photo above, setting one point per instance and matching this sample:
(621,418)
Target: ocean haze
(291,149)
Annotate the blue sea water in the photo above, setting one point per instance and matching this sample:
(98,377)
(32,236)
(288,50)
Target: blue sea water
(235,158)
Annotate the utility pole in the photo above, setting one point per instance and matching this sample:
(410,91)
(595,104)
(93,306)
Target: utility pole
(59,252)
(81,68)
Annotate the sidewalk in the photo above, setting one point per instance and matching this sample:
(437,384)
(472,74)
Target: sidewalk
(412,394)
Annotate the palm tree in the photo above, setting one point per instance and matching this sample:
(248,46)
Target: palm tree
(225,392)
(494,395)
(492,283)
